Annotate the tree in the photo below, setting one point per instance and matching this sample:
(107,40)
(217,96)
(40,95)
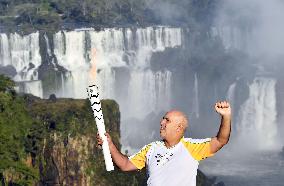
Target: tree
(6,84)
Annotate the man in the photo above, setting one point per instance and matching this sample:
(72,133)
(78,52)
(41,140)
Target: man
(174,160)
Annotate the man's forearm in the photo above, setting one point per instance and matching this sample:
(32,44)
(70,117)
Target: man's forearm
(119,159)
(224,130)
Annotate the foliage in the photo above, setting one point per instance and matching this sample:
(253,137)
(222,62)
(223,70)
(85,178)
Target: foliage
(14,125)
(6,84)
(54,14)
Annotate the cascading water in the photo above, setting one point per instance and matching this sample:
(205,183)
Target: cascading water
(196,100)
(231,94)
(120,52)
(231,99)
(22,52)
(232,37)
(118,48)
(131,50)
(47,45)
(257,116)
(5,58)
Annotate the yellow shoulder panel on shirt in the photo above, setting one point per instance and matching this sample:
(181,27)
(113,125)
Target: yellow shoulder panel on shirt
(139,159)
(198,148)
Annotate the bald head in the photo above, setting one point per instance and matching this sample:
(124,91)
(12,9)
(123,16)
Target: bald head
(173,125)
(179,117)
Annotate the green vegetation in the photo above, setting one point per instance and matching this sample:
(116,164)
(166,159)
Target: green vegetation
(6,84)
(14,125)
(30,15)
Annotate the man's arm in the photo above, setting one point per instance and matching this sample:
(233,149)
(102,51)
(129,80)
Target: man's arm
(222,138)
(119,159)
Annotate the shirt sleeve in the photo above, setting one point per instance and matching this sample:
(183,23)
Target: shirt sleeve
(198,148)
(139,159)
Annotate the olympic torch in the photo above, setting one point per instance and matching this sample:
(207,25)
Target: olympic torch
(93,94)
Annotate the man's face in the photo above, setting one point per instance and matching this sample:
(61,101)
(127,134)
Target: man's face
(169,125)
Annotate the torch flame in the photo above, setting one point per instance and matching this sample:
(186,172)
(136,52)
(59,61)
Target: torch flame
(93,70)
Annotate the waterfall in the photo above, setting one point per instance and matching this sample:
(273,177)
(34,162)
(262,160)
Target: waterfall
(163,86)
(32,87)
(123,61)
(196,100)
(154,88)
(22,52)
(256,123)
(149,92)
(5,58)
(25,56)
(47,45)
(231,96)
(109,45)
(232,37)
(231,93)
(118,48)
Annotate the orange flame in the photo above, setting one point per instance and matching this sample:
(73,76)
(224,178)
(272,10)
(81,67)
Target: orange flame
(93,70)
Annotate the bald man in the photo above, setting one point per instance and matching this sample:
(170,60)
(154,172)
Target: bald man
(174,160)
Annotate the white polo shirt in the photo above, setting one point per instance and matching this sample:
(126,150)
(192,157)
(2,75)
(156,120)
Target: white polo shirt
(175,166)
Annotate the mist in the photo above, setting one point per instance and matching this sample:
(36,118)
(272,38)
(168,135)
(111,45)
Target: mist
(257,26)
(253,28)
(262,20)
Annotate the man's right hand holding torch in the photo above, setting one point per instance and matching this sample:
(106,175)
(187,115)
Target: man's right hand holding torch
(119,159)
